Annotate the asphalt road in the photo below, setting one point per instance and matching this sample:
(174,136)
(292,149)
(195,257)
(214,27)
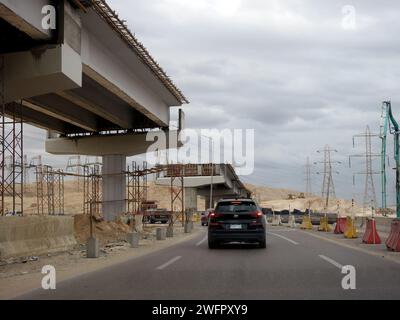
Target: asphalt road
(295,265)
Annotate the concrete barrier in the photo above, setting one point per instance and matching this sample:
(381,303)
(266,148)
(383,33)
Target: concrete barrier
(133,239)
(188,227)
(170,232)
(276,220)
(92,248)
(292,221)
(35,235)
(161,233)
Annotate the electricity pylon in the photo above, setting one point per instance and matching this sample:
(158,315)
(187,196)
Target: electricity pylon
(369,188)
(328,187)
(308,177)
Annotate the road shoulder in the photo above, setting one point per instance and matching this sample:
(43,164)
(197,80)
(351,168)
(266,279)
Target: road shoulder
(19,279)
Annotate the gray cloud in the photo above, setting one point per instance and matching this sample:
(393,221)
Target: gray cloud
(285,68)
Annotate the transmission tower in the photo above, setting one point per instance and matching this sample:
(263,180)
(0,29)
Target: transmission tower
(328,187)
(308,177)
(369,189)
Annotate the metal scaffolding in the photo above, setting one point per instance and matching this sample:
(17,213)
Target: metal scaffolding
(176,173)
(11,137)
(49,190)
(74,165)
(133,178)
(92,189)
(137,186)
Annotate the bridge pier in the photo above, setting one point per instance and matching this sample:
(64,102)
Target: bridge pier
(191,198)
(114,186)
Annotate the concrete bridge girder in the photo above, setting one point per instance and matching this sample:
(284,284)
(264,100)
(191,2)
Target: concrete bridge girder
(111,89)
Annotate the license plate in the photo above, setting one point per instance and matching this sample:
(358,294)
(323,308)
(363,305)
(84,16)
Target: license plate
(235,226)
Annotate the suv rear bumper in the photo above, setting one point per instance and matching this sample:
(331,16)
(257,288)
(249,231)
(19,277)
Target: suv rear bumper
(229,236)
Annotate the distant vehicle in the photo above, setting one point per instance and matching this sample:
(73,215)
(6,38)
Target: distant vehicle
(236,220)
(156,215)
(204,217)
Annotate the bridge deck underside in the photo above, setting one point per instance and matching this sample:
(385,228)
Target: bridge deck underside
(89,109)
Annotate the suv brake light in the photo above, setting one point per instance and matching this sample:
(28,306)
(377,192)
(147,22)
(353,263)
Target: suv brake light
(257,214)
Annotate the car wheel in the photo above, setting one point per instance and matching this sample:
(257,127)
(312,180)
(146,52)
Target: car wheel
(263,244)
(211,244)
(202,224)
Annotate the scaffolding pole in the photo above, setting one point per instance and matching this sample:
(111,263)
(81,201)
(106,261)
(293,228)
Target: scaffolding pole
(176,173)
(92,189)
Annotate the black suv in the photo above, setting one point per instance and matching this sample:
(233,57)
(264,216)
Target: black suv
(236,220)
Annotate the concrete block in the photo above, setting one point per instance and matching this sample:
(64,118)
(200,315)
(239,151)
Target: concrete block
(139,222)
(276,220)
(291,221)
(187,227)
(161,233)
(92,248)
(170,232)
(133,239)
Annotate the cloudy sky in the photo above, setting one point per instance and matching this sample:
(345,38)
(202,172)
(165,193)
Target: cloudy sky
(301,73)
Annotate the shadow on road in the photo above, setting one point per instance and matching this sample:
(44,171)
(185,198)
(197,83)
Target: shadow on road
(238,245)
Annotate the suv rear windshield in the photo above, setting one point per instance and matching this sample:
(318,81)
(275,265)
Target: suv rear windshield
(236,206)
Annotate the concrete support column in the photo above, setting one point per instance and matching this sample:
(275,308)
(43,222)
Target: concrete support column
(191,198)
(114,186)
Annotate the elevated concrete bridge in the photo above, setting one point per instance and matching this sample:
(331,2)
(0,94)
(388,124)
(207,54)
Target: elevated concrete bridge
(197,179)
(88,81)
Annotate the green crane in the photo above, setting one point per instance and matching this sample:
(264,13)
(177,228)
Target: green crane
(387,119)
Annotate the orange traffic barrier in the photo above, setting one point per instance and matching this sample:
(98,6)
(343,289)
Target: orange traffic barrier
(340,225)
(371,235)
(393,241)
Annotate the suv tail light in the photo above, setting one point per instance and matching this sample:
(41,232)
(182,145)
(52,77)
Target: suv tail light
(256,214)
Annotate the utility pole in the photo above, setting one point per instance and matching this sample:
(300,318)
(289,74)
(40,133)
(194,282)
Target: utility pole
(369,188)
(328,187)
(308,177)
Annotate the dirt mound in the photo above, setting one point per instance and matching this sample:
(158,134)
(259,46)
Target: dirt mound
(105,231)
(264,193)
